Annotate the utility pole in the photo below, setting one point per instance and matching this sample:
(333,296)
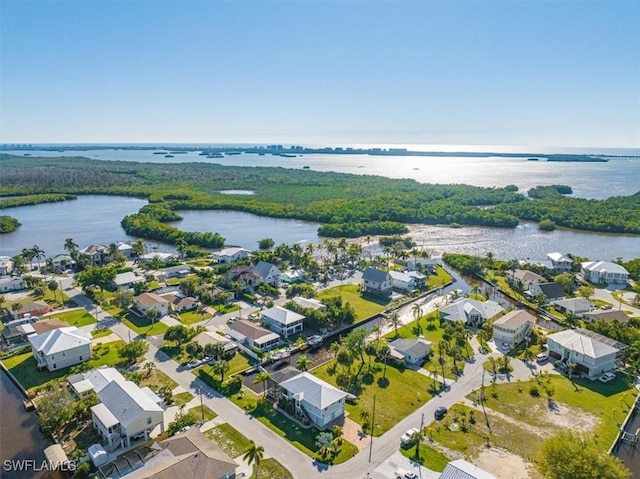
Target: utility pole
(201,408)
(373,418)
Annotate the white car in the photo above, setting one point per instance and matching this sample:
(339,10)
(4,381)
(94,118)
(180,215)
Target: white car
(606,377)
(542,357)
(406,437)
(404,474)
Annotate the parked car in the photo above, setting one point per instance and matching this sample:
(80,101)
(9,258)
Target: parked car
(406,438)
(606,377)
(542,357)
(404,474)
(440,412)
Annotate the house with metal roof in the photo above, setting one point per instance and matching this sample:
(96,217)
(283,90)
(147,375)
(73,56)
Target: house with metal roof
(593,353)
(377,282)
(283,321)
(604,272)
(461,469)
(61,348)
(411,351)
(230,255)
(470,311)
(84,383)
(402,281)
(312,398)
(575,306)
(253,335)
(310,303)
(513,327)
(126,412)
(561,263)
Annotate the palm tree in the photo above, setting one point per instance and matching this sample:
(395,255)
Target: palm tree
(152,315)
(37,253)
(262,377)
(493,363)
(214,350)
(53,287)
(139,248)
(394,319)
(221,367)
(303,363)
(71,247)
(149,366)
(570,368)
(417,311)
(384,353)
(364,417)
(254,455)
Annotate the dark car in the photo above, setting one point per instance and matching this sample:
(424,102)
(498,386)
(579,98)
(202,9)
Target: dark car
(440,412)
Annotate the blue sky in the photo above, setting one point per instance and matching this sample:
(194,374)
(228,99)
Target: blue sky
(538,73)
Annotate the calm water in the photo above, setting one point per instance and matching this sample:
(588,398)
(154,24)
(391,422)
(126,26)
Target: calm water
(20,437)
(589,180)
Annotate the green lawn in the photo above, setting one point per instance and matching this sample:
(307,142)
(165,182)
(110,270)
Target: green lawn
(226,308)
(229,439)
(396,397)
(199,411)
(24,366)
(182,398)
(608,403)
(143,326)
(192,317)
(272,469)
(427,456)
(79,317)
(157,379)
(100,333)
(350,293)
(441,277)
(239,363)
(429,327)
(302,438)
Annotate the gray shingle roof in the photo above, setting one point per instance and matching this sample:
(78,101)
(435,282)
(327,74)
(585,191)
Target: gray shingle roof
(551,290)
(375,275)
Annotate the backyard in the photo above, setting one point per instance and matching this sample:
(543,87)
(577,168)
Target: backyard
(191,317)
(350,293)
(441,277)
(79,317)
(143,326)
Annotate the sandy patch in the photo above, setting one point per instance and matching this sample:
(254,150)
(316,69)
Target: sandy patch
(504,465)
(106,339)
(557,414)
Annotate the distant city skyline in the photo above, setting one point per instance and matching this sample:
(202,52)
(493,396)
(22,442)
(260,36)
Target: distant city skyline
(478,76)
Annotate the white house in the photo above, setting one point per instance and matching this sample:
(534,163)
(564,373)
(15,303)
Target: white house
(513,327)
(148,301)
(268,273)
(84,383)
(412,351)
(253,336)
(230,255)
(402,281)
(179,271)
(604,272)
(283,321)
(310,303)
(127,280)
(60,348)
(149,257)
(11,283)
(314,399)
(126,250)
(593,353)
(126,412)
(6,265)
(461,469)
(97,252)
(419,279)
(377,282)
(471,311)
(560,262)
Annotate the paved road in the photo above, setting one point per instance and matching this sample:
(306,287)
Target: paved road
(384,449)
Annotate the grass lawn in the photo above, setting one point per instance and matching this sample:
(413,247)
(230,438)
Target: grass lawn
(156,378)
(396,397)
(229,439)
(272,469)
(79,317)
(429,327)
(24,366)
(427,456)
(192,317)
(240,362)
(182,398)
(441,277)
(100,333)
(350,293)
(303,439)
(608,403)
(143,326)
(199,411)
(226,308)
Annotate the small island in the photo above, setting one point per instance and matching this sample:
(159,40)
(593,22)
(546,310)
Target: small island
(8,224)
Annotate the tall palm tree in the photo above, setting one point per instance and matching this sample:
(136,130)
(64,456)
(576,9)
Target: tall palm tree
(37,253)
(221,367)
(394,319)
(262,377)
(303,363)
(71,247)
(384,353)
(254,456)
(364,417)
(417,311)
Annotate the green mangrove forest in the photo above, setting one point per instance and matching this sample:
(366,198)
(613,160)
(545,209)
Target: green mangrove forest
(346,205)
(8,224)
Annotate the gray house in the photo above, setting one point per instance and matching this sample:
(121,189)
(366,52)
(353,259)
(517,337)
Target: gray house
(376,281)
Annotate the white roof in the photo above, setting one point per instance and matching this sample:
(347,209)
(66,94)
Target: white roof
(161,256)
(398,276)
(100,377)
(559,258)
(282,315)
(574,304)
(604,267)
(126,278)
(313,390)
(230,251)
(124,247)
(104,415)
(126,401)
(461,469)
(463,307)
(417,275)
(309,303)
(582,344)
(58,340)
